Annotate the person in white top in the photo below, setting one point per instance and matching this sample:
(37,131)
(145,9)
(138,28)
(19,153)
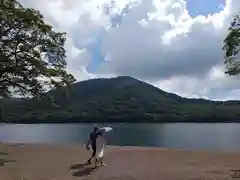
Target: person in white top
(101,144)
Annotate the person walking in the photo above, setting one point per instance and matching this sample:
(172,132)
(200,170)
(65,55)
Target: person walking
(93,141)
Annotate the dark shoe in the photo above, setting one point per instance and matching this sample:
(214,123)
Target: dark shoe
(89,162)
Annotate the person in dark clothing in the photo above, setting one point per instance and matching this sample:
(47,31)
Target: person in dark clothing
(93,141)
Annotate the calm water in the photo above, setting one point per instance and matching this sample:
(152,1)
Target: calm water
(221,137)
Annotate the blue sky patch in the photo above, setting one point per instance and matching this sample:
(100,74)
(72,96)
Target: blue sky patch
(204,7)
(96,55)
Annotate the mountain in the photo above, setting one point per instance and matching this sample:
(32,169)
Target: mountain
(121,99)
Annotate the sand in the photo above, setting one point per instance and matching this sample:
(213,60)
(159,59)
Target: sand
(66,162)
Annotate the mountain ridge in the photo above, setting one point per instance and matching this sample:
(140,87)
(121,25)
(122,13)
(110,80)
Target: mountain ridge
(129,77)
(120,99)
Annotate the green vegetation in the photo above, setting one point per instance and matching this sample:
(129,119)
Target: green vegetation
(32,60)
(232,47)
(32,54)
(121,99)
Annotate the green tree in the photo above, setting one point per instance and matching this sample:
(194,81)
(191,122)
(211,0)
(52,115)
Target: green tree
(232,47)
(32,54)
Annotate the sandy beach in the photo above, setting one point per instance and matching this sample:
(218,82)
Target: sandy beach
(66,162)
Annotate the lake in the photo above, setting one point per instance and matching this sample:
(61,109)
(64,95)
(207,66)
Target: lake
(189,136)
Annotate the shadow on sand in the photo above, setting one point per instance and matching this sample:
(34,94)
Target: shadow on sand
(2,159)
(235,173)
(3,162)
(3,154)
(81,170)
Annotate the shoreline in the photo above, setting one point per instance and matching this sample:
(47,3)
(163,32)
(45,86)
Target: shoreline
(132,147)
(64,162)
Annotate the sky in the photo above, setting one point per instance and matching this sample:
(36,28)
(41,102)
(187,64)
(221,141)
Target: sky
(175,45)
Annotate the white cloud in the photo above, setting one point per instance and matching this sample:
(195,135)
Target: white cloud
(156,41)
(215,84)
(83,21)
(172,50)
(168,45)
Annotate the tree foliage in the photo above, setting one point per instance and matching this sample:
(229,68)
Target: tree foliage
(232,47)
(32,54)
